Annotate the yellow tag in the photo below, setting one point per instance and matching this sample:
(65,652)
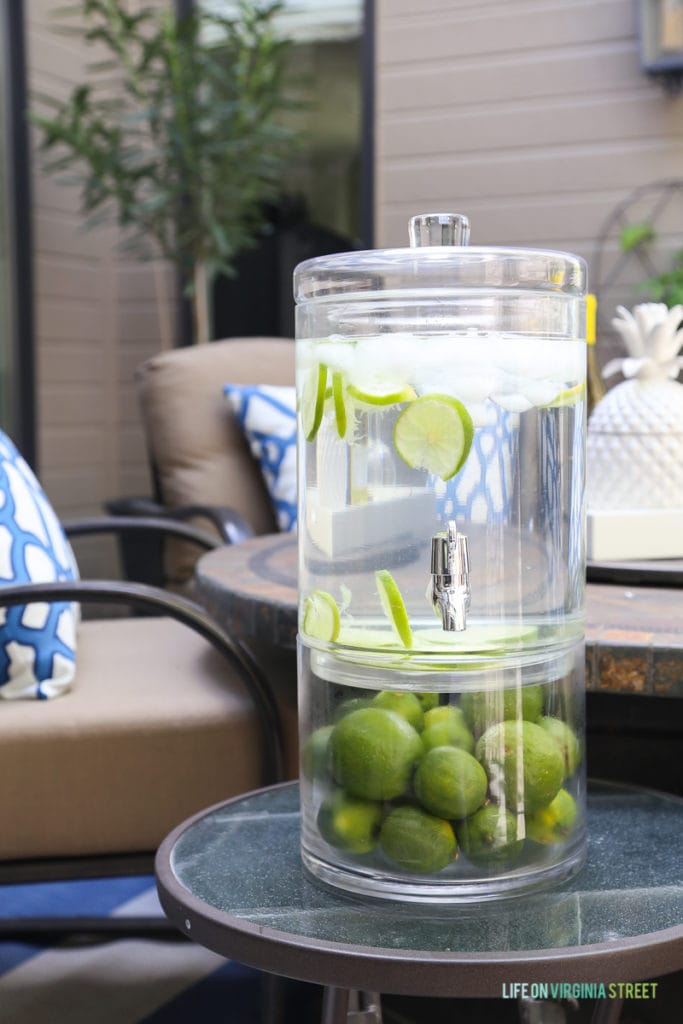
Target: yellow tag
(591,317)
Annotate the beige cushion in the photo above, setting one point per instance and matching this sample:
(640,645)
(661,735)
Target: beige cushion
(196,444)
(156,727)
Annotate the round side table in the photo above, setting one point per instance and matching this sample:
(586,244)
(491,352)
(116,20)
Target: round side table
(231,879)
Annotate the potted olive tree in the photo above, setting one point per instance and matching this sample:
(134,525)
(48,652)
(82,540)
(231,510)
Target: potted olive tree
(178,133)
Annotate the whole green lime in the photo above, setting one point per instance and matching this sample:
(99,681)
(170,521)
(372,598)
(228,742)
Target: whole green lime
(444,713)
(523,763)
(448,734)
(352,704)
(567,740)
(483,708)
(348,823)
(317,757)
(553,823)
(490,836)
(374,751)
(417,841)
(428,700)
(404,703)
(450,783)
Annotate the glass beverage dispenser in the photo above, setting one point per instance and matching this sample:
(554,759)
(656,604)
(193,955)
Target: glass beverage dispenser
(441,393)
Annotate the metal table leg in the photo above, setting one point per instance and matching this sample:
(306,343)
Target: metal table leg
(349,1006)
(541,1011)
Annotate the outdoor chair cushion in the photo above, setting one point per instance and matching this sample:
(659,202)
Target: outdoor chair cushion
(198,451)
(37,641)
(131,751)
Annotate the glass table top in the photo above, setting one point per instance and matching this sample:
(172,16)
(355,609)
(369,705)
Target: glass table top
(242,860)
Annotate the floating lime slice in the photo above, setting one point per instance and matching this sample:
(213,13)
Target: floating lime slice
(321,617)
(477,638)
(570,396)
(394,606)
(339,403)
(404,394)
(434,433)
(313,400)
(369,639)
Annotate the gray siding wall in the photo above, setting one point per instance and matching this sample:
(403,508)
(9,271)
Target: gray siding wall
(98,316)
(533,117)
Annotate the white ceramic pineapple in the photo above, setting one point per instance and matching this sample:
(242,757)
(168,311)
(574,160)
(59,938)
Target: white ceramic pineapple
(635,433)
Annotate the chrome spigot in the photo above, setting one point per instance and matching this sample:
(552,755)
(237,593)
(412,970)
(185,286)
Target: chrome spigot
(450,584)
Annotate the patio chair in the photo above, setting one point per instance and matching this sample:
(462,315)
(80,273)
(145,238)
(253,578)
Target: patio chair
(164,717)
(202,469)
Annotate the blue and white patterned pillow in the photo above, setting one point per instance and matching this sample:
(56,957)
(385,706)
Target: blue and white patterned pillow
(267,416)
(37,641)
(482,491)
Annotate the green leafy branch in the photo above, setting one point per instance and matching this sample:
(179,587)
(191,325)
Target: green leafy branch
(179,133)
(666,287)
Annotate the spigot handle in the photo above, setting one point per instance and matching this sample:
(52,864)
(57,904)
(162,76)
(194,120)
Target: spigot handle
(450,554)
(450,587)
(461,561)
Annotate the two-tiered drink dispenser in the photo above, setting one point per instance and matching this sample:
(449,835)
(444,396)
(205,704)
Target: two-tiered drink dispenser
(441,392)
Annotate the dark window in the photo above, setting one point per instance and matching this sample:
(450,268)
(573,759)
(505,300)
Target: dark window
(326,201)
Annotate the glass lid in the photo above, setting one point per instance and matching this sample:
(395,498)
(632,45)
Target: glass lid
(439,260)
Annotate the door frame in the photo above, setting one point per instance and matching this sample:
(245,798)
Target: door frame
(21,341)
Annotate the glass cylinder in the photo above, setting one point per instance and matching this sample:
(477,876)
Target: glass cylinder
(441,396)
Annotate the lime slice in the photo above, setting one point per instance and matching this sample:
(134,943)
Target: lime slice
(313,400)
(394,606)
(475,638)
(339,404)
(434,433)
(570,396)
(321,616)
(405,394)
(368,639)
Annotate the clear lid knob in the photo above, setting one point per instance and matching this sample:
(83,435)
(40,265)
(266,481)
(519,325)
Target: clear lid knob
(438,229)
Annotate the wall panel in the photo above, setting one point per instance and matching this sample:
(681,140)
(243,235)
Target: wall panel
(99,313)
(534,118)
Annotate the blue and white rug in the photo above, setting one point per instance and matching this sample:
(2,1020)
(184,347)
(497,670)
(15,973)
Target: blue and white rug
(124,981)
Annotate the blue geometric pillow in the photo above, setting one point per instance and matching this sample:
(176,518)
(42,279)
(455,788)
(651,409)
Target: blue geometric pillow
(37,641)
(267,416)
